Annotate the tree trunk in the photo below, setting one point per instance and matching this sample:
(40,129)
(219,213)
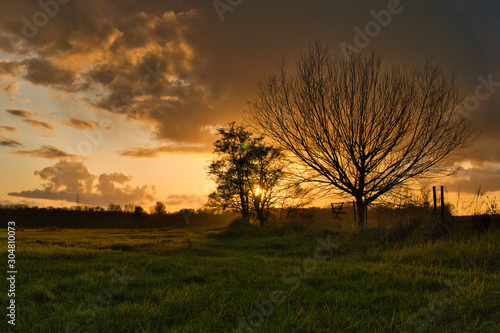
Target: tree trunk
(260,217)
(259,209)
(360,210)
(245,211)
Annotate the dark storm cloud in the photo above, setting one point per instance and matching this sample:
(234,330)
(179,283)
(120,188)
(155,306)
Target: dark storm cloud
(45,151)
(140,59)
(5,142)
(44,72)
(65,179)
(176,66)
(469,180)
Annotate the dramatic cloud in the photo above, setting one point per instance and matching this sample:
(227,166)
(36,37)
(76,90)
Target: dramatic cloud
(65,179)
(4,142)
(487,149)
(20,113)
(175,68)
(469,180)
(144,152)
(44,72)
(82,124)
(142,59)
(44,152)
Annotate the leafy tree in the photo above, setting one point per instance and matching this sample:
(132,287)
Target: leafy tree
(247,172)
(128,208)
(159,208)
(114,208)
(359,128)
(138,210)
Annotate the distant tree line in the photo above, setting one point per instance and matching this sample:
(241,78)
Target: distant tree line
(114,217)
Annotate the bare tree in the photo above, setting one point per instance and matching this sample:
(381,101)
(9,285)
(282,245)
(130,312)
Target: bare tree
(358,127)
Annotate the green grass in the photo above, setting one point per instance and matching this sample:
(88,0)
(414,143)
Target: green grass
(253,279)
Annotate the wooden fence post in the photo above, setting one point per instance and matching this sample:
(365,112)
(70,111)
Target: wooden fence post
(354,209)
(442,204)
(435,200)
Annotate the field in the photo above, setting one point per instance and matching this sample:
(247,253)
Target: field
(253,279)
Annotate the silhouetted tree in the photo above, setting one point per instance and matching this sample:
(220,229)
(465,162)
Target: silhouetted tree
(128,208)
(114,207)
(159,209)
(361,128)
(247,172)
(138,216)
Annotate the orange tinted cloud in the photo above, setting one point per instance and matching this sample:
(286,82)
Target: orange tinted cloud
(145,152)
(65,179)
(82,124)
(49,152)
(5,142)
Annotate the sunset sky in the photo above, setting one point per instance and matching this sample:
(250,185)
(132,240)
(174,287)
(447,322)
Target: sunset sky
(118,100)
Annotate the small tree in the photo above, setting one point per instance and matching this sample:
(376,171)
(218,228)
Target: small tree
(247,173)
(138,216)
(159,208)
(128,208)
(114,208)
(359,128)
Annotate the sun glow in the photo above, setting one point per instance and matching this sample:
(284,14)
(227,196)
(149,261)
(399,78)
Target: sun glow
(257,191)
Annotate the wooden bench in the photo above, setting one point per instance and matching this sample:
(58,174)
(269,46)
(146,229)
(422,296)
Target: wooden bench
(337,210)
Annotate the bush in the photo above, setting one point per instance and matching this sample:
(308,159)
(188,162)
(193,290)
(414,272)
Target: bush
(402,230)
(239,222)
(435,231)
(294,226)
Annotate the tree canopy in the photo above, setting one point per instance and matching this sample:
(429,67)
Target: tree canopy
(247,172)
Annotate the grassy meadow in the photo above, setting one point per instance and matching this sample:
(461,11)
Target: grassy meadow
(254,279)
